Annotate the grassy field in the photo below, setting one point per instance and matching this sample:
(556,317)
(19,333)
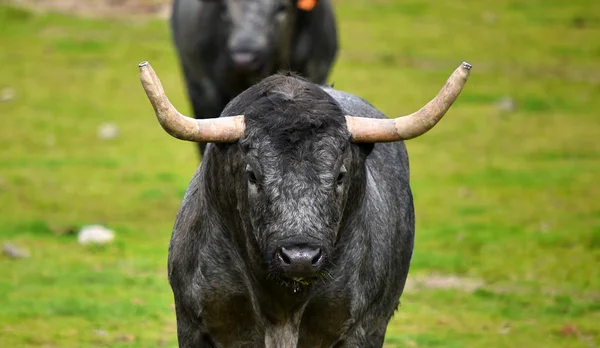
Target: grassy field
(507,198)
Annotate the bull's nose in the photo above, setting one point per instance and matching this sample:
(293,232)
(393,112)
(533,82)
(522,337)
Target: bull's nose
(300,261)
(246,60)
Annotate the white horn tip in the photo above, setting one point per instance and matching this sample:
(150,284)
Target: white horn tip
(466,65)
(145,63)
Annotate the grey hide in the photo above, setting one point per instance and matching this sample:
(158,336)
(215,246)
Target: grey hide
(225,46)
(294,181)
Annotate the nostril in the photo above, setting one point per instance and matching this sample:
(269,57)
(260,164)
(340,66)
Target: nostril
(317,258)
(283,257)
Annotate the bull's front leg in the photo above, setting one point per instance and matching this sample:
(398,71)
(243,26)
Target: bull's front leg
(360,339)
(191,332)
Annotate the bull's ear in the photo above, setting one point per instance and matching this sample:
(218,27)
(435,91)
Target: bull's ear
(306,5)
(366,148)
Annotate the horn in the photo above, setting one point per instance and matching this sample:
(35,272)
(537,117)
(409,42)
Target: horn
(369,130)
(214,130)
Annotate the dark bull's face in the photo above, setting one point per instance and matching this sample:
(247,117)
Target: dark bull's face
(296,172)
(296,197)
(258,29)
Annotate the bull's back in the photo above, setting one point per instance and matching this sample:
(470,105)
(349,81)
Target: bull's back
(354,105)
(384,155)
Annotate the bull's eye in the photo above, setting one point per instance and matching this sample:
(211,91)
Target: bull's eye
(341,176)
(251,177)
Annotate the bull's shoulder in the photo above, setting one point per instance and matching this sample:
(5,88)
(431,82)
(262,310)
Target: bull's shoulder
(383,153)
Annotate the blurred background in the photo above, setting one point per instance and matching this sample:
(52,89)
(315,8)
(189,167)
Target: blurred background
(506,188)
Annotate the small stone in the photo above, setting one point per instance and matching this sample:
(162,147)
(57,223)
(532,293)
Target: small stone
(7,94)
(14,251)
(50,141)
(100,333)
(95,234)
(506,104)
(504,329)
(127,338)
(107,131)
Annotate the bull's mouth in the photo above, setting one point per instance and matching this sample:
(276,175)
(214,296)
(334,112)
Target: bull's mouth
(299,284)
(305,280)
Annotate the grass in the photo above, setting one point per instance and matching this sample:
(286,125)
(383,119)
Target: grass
(506,197)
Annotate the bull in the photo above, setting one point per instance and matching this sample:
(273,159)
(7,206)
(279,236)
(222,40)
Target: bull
(225,46)
(297,229)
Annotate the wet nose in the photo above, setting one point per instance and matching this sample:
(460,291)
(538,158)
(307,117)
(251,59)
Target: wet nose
(300,261)
(246,59)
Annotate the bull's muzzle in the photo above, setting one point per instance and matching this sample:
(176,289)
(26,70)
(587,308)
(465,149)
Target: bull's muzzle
(299,261)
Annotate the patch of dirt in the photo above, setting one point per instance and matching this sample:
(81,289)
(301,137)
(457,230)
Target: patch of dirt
(100,8)
(435,281)
(439,281)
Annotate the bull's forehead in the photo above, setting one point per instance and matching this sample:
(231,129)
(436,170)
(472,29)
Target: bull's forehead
(290,119)
(309,163)
(302,151)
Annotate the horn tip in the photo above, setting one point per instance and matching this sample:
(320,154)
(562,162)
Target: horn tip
(466,65)
(144,63)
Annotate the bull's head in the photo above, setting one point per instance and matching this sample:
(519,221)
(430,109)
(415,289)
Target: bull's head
(296,167)
(258,29)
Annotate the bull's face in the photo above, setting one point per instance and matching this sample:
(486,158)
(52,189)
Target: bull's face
(260,32)
(298,165)
(296,198)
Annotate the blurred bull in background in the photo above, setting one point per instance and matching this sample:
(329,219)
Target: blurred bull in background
(225,46)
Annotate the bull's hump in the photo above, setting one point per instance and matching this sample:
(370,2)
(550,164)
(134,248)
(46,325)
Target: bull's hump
(353,105)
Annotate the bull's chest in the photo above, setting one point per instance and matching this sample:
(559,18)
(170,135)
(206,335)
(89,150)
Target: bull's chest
(240,321)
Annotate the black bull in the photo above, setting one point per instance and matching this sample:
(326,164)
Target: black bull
(297,229)
(225,46)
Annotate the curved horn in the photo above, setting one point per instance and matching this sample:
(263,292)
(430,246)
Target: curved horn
(369,130)
(214,130)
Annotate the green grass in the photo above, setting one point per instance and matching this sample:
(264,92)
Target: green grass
(510,198)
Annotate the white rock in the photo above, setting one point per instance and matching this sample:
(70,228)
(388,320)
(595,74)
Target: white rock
(506,104)
(14,251)
(108,131)
(100,333)
(95,234)
(7,94)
